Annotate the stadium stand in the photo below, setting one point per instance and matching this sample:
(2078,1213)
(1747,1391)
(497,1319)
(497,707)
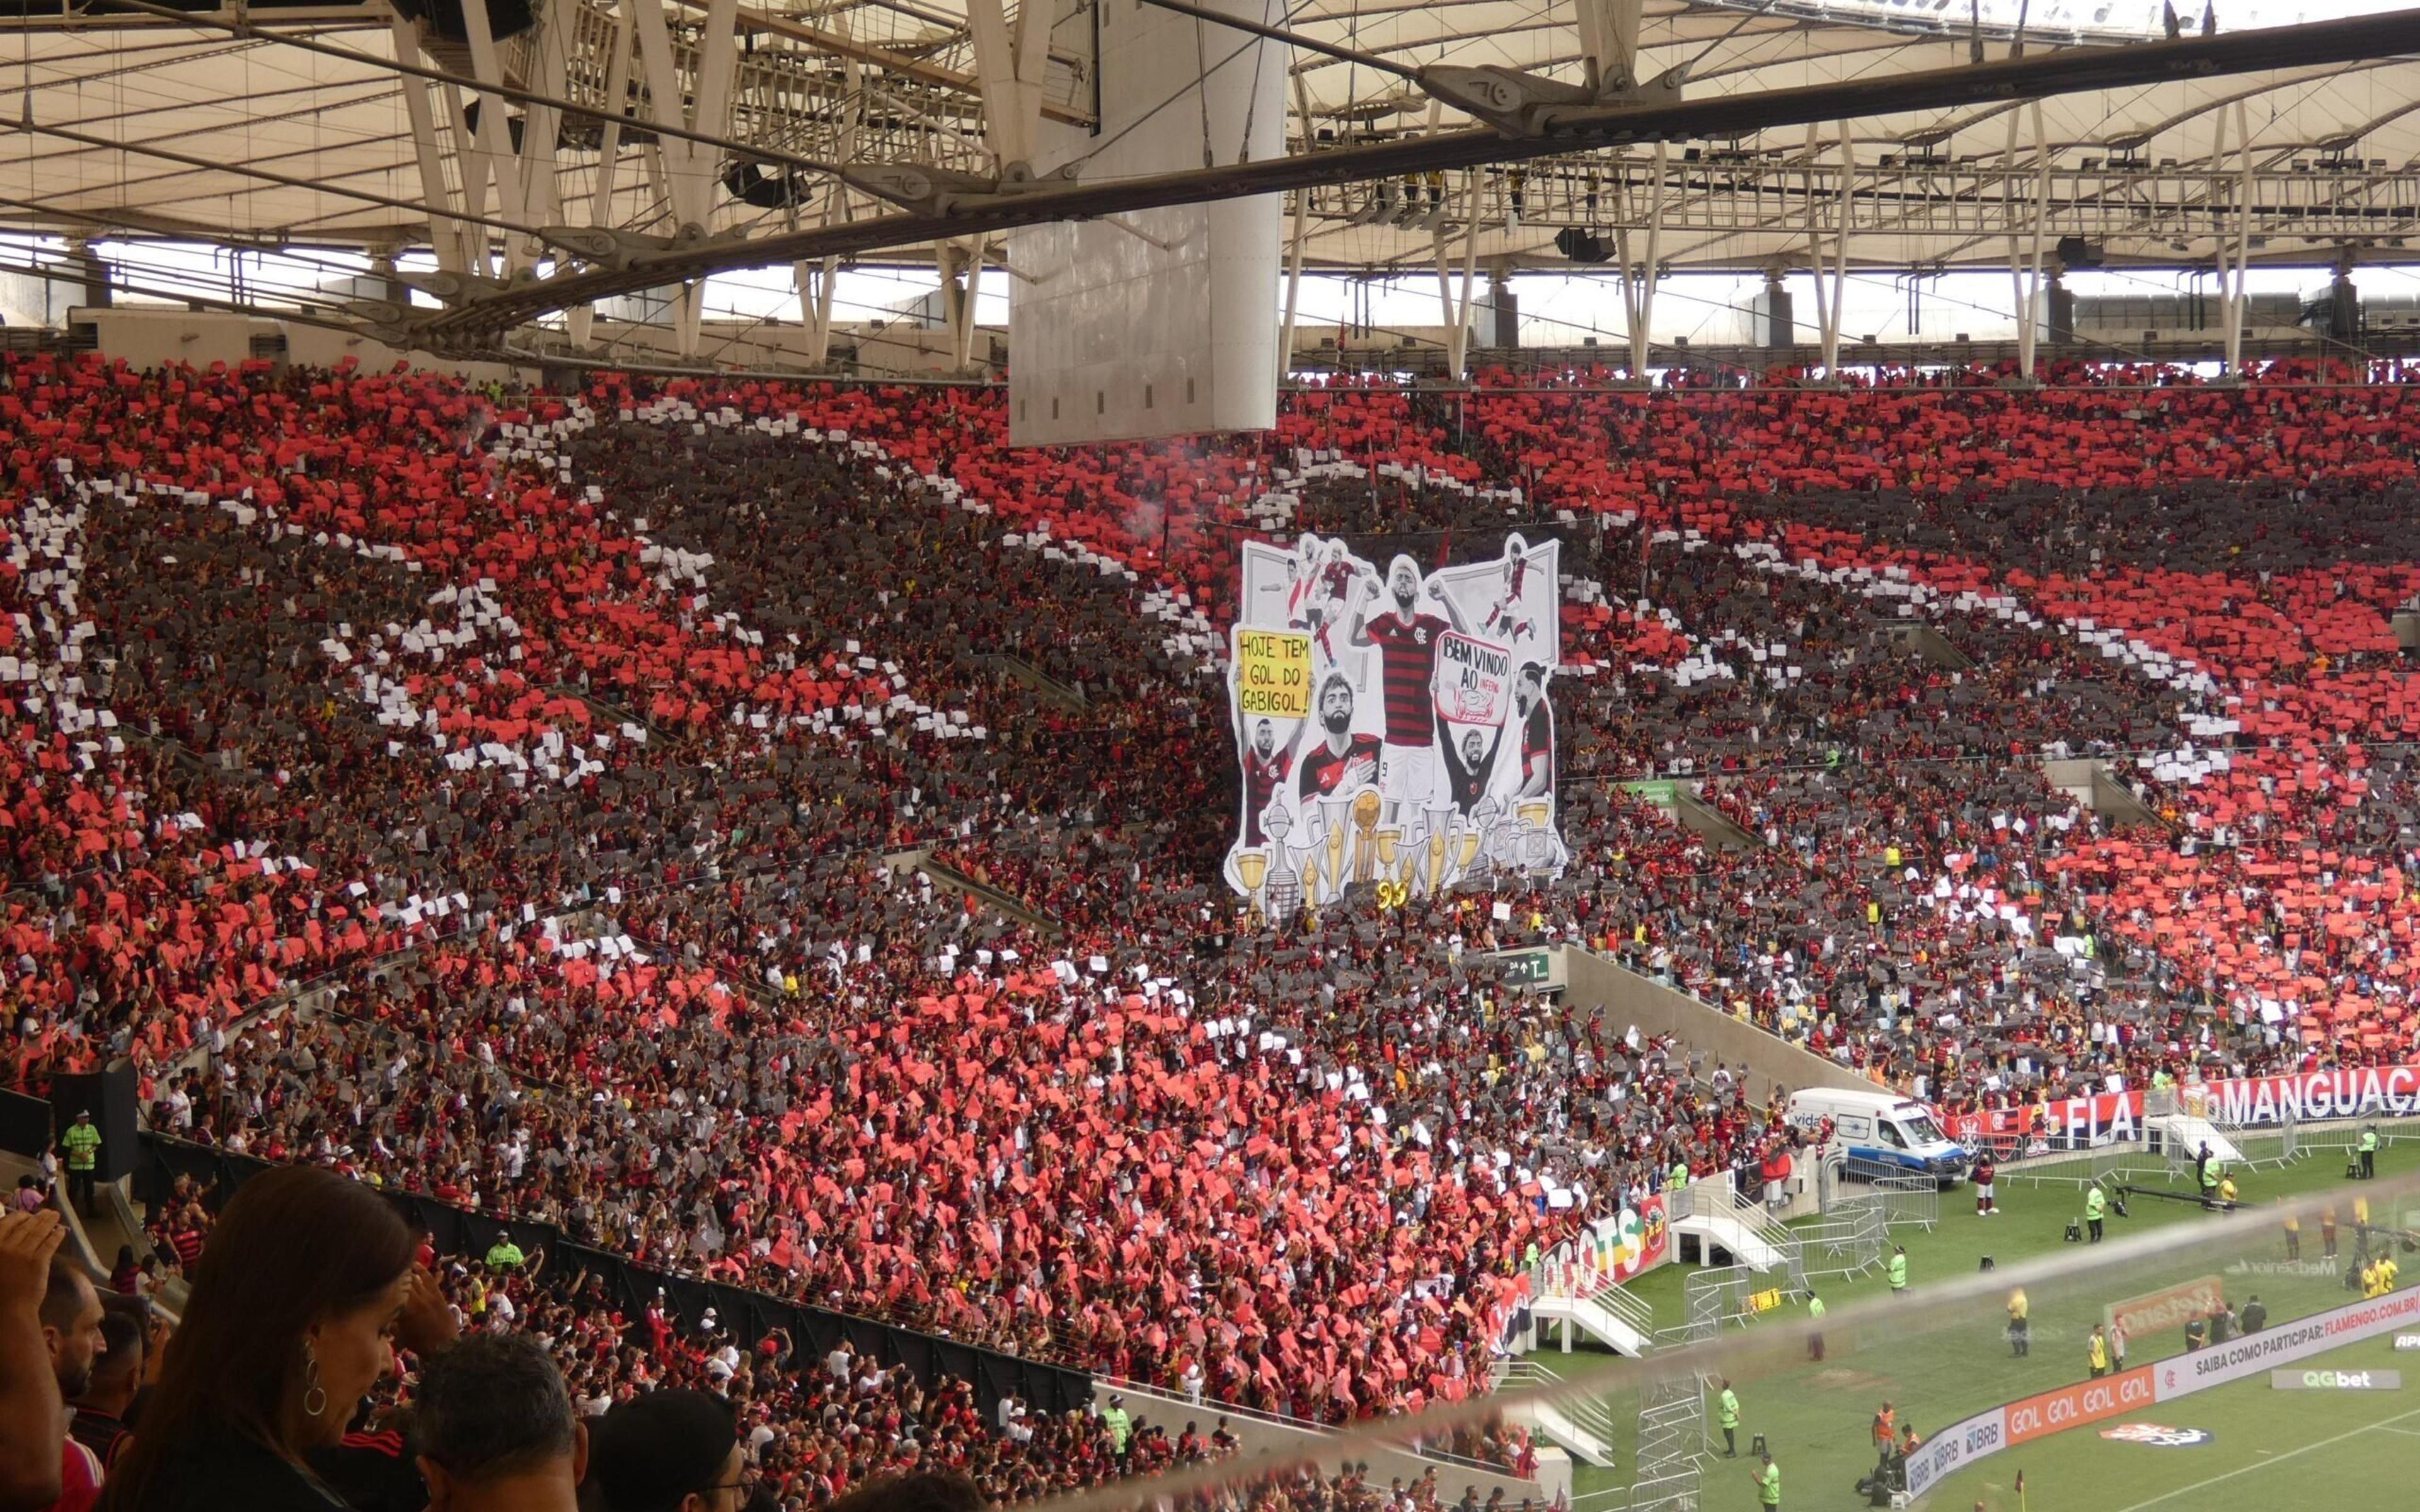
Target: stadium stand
(449,789)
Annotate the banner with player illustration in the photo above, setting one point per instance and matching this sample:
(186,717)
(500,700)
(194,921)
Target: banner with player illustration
(1393,724)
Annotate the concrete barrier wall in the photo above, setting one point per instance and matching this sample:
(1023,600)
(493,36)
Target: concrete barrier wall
(156,335)
(2072,776)
(2115,802)
(2089,780)
(1701,818)
(1629,998)
(1930,646)
(1273,1435)
(901,347)
(318,346)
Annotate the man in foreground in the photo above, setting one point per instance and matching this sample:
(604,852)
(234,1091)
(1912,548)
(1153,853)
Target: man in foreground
(71,1317)
(496,1429)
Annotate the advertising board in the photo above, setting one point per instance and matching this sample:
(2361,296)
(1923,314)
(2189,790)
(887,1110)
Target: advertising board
(2335,1380)
(2170,1307)
(2129,1391)
(2071,1407)
(1985,1433)
(2242,1359)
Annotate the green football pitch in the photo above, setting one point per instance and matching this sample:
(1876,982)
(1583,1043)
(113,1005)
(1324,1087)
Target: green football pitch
(2266,1450)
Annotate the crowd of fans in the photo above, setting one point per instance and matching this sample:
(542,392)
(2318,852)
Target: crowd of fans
(561,770)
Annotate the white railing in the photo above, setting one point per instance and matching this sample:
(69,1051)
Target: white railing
(1633,1312)
(1569,1278)
(1675,1491)
(1707,1197)
(1586,1414)
(1760,1223)
(1207,1406)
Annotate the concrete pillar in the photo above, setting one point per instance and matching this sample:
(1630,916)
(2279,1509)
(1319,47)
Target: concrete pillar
(1775,314)
(1503,309)
(2059,308)
(2344,303)
(96,274)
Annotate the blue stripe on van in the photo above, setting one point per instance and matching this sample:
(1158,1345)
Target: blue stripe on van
(1886,1157)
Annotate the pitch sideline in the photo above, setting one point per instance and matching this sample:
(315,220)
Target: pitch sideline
(2265,1464)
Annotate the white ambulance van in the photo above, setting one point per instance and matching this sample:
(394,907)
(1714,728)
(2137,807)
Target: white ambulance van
(1881,1133)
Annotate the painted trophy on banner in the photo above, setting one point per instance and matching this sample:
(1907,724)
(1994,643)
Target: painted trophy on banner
(1394,726)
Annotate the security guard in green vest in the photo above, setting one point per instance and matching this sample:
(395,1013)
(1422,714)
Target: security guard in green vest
(2368,1151)
(1726,1417)
(1899,1270)
(2096,1206)
(1767,1477)
(1815,1316)
(1121,1427)
(2211,1171)
(82,1142)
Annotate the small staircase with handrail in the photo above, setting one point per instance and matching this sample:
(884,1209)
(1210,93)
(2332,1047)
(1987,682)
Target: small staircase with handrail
(1578,1424)
(1586,1300)
(1712,1213)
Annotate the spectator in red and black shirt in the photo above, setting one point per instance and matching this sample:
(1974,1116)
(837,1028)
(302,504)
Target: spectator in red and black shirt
(184,1231)
(99,1420)
(72,1318)
(1347,760)
(374,1467)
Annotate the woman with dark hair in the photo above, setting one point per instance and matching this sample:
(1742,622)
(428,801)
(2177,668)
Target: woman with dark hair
(125,1273)
(306,1279)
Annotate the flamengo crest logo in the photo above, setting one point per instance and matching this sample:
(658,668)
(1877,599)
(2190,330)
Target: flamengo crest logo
(2156,1436)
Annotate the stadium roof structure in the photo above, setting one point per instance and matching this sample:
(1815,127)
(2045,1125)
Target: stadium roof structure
(595,146)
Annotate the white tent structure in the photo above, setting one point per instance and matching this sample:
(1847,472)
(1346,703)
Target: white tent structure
(543,154)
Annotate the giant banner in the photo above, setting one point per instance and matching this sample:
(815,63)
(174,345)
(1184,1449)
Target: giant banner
(1619,1247)
(1394,725)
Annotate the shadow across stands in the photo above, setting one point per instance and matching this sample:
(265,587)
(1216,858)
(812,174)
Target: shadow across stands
(745,1313)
